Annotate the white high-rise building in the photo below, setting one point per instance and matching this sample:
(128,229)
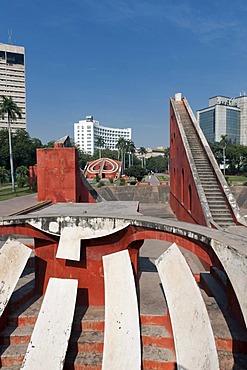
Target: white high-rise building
(86,133)
(12,81)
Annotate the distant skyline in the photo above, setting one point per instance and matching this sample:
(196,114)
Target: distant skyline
(122,60)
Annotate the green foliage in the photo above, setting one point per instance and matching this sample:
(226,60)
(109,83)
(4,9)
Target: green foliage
(228,180)
(136,171)
(157,164)
(111,180)
(9,107)
(236,156)
(100,184)
(132,182)
(4,175)
(24,149)
(97,178)
(21,176)
(84,158)
(122,182)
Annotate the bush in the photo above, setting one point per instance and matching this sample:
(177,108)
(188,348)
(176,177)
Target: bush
(111,180)
(122,182)
(100,184)
(97,178)
(136,171)
(245,183)
(132,182)
(228,180)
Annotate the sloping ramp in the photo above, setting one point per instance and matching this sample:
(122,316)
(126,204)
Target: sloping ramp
(218,204)
(13,259)
(49,341)
(122,344)
(192,331)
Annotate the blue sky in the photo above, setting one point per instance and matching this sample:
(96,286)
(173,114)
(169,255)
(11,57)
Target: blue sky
(121,60)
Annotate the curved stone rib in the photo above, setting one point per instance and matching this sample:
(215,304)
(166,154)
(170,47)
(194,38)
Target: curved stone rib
(49,341)
(13,259)
(122,345)
(235,266)
(69,246)
(192,331)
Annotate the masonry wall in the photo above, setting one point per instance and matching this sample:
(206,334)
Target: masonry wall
(58,176)
(184,199)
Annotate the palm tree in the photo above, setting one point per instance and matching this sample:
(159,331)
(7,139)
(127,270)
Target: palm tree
(130,147)
(100,143)
(142,151)
(121,146)
(9,107)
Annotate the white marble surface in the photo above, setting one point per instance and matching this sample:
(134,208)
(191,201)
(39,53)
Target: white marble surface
(13,259)
(192,331)
(49,341)
(122,344)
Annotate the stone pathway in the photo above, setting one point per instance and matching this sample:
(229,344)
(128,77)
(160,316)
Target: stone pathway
(8,207)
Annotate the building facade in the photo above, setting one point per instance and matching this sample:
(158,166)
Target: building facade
(13,81)
(225,116)
(222,117)
(86,133)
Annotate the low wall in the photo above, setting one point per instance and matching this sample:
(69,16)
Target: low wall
(158,194)
(142,193)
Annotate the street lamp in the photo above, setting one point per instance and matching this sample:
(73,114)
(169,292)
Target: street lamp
(224,160)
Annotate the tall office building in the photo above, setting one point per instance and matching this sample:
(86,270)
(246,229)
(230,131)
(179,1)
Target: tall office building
(12,80)
(86,133)
(225,116)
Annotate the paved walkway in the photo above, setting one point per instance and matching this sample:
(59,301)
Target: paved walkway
(152,179)
(8,207)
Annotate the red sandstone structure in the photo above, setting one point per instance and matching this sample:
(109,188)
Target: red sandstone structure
(104,167)
(72,238)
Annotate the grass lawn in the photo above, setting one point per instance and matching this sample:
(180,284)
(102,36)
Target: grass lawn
(236,179)
(163,178)
(6,193)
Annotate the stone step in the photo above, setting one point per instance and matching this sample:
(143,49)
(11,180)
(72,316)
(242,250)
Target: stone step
(83,361)
(158,358)
(12,355)
(24,290)
(220,219)
(229,361)
(157,335)
(86,341)
(214,195)
(16,335)
(27,313)
(89,318)
(220,210)
(229,335)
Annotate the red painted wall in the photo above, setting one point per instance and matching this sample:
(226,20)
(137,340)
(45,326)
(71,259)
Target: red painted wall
(59,177)
(187,208)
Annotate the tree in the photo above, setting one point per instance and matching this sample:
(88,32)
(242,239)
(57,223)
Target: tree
(121,146)
(21,176)
(3,175)
(9,107)
(130,147)
(156,164)
(135,171)
(100,143)
(142,151)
